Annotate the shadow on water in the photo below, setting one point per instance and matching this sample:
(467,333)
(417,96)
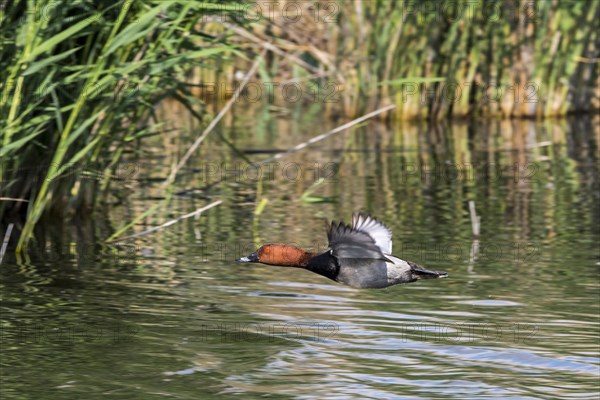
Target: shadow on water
(170,314)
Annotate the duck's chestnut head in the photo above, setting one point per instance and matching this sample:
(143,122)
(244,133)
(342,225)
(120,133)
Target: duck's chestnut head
(278,254)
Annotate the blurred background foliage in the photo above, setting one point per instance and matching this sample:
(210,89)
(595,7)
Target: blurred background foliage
(82,81)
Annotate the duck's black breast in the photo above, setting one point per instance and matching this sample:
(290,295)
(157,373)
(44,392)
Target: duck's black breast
(324,264)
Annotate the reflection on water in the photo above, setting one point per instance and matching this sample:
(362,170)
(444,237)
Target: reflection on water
(170,314)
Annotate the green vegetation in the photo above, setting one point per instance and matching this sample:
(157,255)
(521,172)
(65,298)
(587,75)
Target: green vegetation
(437,59)
(80,84)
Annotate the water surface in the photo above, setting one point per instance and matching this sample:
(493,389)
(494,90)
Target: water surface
(170,315)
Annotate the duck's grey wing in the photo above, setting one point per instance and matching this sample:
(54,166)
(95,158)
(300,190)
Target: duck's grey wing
(346,242)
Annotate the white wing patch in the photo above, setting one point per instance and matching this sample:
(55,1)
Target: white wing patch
(379,232)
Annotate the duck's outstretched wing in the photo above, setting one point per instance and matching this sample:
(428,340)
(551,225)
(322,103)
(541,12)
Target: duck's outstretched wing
(366,238)
(375,229)
(346,242)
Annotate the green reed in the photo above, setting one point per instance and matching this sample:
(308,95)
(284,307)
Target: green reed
(78,89)
(437,59)
(507,58)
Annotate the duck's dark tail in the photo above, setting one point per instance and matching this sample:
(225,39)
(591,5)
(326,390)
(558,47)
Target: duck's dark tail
(419,272)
